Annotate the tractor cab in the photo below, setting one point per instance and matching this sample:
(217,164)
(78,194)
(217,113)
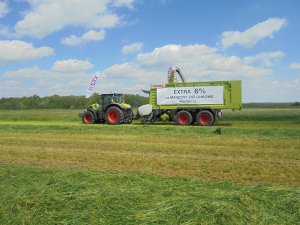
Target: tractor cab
(108,99)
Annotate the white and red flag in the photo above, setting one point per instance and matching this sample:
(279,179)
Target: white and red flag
(91,85)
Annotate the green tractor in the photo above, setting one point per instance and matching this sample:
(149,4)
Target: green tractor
(112,110)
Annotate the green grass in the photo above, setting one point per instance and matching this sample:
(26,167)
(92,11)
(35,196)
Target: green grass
(56,170)
(61,115)
(43,196)
(264,114)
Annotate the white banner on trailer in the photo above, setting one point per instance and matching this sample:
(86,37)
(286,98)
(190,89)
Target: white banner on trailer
(190,95)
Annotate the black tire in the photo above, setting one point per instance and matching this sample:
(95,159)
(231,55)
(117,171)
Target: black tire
(184,118)
(205,118)
(128,116)
(114,115)
(142,120)
(88,117)
(173,115)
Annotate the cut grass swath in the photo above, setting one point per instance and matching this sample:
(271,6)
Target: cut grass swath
(47,196)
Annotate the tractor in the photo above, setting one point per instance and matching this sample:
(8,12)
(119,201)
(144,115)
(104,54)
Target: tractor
(111,110)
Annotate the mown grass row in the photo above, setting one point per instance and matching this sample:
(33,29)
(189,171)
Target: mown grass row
(44,196)
(256,161)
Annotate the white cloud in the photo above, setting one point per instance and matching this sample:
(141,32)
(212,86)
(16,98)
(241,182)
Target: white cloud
(132,48)
(251,36)
(199,62)
(295,66)
(60,70)
(66,77)
(3,8)
(45,86)
(126,3)
(71,65)
(47,17)
(268,89)
(176,55)
(33,72)
(266,58)
(16,51)
(91,35)
(11,88)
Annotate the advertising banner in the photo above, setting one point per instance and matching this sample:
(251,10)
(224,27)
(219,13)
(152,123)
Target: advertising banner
(91,86)
(190,95)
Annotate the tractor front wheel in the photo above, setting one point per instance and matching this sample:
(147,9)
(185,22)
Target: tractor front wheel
(88,117)
(114,115)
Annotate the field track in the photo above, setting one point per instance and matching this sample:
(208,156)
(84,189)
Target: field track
(256,148)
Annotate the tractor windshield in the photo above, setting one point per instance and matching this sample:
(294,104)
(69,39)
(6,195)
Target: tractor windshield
(117,98)
(111,98)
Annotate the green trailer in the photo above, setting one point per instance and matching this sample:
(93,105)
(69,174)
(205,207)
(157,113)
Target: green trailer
(192,102)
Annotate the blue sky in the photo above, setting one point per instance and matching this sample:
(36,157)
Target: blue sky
(52,47)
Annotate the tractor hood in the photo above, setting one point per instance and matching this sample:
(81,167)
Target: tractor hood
(124,105)
(95,106)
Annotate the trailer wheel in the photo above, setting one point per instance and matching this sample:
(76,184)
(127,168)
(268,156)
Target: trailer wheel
(184,118)
(88,117)
(205,118)
(114,115)
(143,120)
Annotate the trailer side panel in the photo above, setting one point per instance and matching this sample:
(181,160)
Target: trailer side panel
(212,94)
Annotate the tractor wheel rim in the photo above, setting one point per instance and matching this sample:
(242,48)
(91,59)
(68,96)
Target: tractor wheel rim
(87,118)
(113,116)
(205,118)
(183,119)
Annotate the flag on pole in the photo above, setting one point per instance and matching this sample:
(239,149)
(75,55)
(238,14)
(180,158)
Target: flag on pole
(91,85)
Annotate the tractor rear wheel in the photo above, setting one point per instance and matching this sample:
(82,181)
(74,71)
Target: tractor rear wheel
(88,117)
(205,118)
(114,115)
(184,118)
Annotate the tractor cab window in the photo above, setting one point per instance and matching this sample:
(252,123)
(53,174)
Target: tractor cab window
(111,98)
(117,98)
(106,100)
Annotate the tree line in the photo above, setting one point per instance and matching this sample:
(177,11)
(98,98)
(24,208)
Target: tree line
(271,105)
(80,102)
(63,102)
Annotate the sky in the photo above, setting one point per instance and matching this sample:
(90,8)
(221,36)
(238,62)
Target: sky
(54,47)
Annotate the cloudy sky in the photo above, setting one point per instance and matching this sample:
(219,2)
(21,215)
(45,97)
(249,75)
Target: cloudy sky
(52,47)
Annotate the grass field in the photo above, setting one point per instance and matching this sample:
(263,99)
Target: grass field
(55,170)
